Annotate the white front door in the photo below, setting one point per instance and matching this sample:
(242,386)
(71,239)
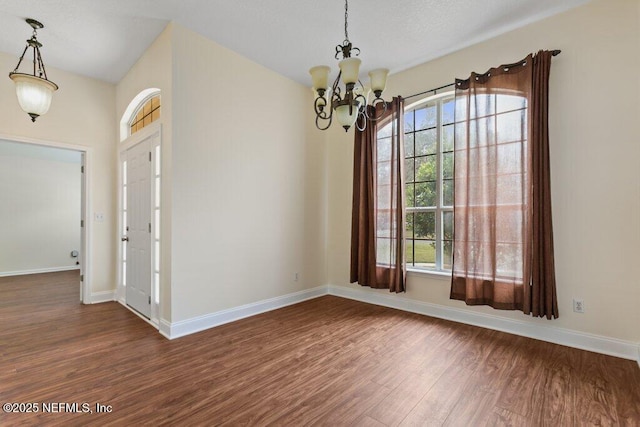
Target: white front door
(138,228)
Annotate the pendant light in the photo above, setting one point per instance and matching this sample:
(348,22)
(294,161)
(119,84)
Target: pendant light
(34,90)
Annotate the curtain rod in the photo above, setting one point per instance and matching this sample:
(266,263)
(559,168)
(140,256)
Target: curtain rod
(428,91)
(555,52)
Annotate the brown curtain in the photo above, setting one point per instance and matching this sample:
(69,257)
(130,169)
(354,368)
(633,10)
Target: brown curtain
(542,300)
(377,225)
(503,244)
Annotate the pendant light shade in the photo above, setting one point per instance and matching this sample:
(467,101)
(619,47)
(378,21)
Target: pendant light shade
(34,94)
(34,91)
(346,115)
(350,68)
(378,80)
(320,77)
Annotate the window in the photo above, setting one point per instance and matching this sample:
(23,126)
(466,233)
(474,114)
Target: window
(496,128)
(124,222)
(156,224)
(428,145)
(147,114)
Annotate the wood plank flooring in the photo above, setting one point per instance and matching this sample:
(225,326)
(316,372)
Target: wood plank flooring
(327,361)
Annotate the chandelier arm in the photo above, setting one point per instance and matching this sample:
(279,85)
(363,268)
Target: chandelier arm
(43,72)
(329,119)
(375,116)
(320,108)
(21,58)
(335,88)
(362,95)
(364,101)
(35,59)
(362,117)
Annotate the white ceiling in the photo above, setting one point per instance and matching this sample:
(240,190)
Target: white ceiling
(104,38)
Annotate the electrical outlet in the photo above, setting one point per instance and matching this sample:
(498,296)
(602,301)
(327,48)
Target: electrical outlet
(578,305)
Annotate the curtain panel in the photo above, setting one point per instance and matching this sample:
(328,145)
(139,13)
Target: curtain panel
(503,243)
(377,224)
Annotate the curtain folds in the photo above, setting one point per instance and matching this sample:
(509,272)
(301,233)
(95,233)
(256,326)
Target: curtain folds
(542,301)
(377,224)
(503,243)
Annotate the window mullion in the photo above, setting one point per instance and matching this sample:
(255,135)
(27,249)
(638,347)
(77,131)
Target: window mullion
(439,187)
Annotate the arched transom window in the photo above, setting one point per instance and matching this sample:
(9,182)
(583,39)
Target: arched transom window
(148,113)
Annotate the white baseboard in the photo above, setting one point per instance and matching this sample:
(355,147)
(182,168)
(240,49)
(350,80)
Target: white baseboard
(39,270)
(581,340)
(567,337)
(181,328)
(103,296)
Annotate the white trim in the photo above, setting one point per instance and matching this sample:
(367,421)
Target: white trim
(575,339)
(103,296)
(200,323)
(45,142)
(584,341)
(432,274)
(86,231)
(39,271)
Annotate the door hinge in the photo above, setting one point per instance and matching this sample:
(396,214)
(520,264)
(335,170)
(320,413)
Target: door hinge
(149,227)
(82,277)
(81,169)
(149,155)
(82,223)
(149,299)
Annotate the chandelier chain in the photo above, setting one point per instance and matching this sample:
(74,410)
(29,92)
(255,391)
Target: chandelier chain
(346,25)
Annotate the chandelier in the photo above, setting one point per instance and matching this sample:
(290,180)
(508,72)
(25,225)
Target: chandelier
(34,91)
(350,103)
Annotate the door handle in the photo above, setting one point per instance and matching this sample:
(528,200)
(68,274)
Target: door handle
(125,239)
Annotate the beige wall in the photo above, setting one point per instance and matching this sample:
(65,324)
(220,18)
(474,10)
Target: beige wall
(244,193)
(594,132)
(81,114)
(248,182)
(40,208)
(155,70)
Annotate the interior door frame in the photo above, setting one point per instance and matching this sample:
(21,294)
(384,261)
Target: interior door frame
(131,141)
(85,206)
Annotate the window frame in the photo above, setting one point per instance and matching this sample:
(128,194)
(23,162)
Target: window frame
(147,100)
(439,209)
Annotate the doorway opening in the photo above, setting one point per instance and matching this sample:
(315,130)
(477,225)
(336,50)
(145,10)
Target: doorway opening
(43,218)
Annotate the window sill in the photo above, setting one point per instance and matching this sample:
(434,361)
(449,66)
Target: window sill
(432,274)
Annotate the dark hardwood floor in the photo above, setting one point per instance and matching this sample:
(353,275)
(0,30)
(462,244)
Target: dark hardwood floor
(328,361)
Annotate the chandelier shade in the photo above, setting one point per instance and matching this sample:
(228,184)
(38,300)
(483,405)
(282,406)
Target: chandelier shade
(34,94)
(378,79)
(347,115)
(34,91)
(320,77)
(350,68)
(348,102)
